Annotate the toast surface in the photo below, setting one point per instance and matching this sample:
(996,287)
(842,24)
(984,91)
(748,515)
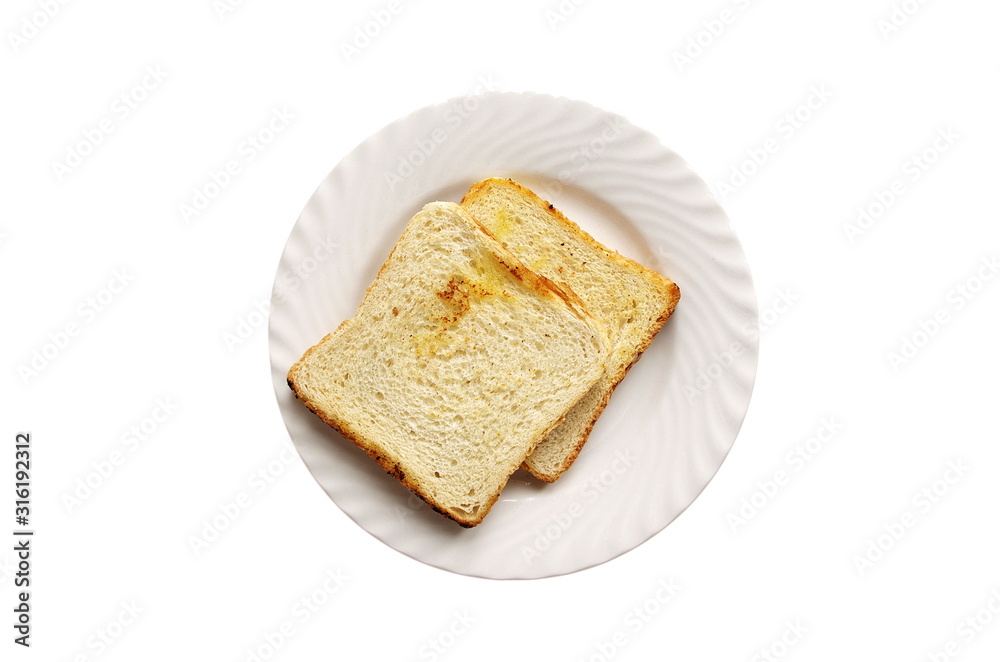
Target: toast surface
(630,300)
(457,363)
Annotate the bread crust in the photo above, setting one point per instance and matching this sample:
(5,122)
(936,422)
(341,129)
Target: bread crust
(669,289)
(537,281)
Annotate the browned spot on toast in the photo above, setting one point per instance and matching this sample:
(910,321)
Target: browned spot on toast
(459,293)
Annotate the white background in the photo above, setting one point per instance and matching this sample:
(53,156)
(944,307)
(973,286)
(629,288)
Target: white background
(875,548)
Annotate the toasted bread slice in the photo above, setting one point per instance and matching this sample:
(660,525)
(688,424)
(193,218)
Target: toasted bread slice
(458,362)
(632,301)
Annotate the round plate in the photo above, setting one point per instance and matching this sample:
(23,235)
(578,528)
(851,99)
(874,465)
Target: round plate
(672,420)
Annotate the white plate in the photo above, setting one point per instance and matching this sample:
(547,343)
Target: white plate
(673,419)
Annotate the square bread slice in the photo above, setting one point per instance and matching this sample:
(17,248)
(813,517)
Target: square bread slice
(632,301)
(458,362)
